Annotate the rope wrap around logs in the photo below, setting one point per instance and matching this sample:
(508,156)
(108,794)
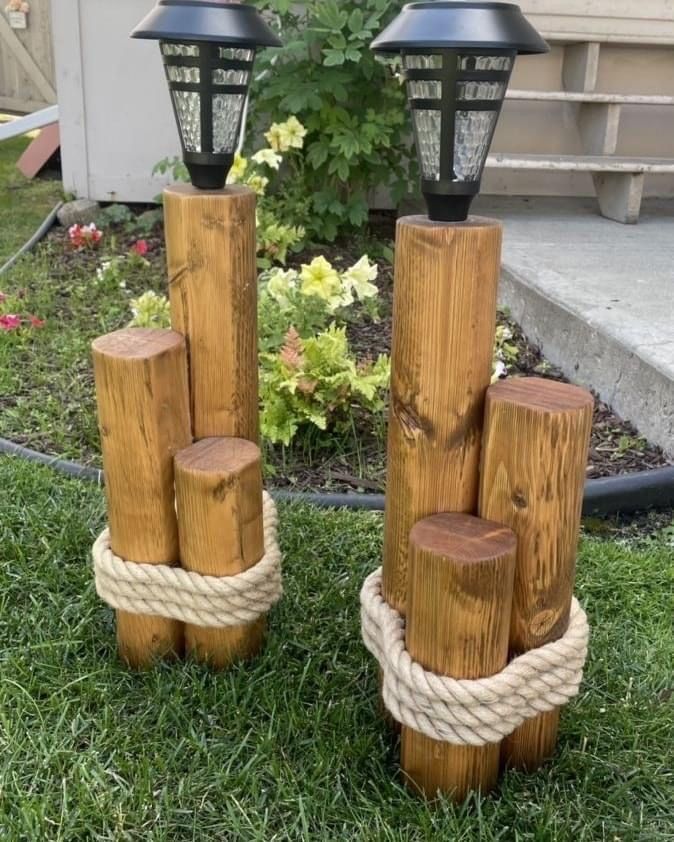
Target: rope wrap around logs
(209,601)
(470,712)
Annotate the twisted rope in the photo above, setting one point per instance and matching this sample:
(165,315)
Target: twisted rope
(465,712)
(209,601)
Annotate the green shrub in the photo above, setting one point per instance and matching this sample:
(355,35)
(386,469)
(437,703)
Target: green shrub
(358,135)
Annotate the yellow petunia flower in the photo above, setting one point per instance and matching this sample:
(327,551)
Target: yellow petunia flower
(278,138)
(295,132)
(238,170)
(321,280)
(268,157)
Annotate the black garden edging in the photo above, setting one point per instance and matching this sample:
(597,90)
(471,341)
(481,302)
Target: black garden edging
(37,237)
(623,494)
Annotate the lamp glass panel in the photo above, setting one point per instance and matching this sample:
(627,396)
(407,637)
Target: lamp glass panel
(424,89)
(501,63)
(188,109)
(230,77)
(472,138)
(428,124)
(178,73)
(186,50)
(226,119)
(481,90)
(236,53)
(420,62)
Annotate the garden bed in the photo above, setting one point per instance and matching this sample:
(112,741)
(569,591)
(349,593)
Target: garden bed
(46,384)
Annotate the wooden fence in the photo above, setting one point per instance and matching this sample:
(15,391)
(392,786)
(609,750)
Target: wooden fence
(26,61)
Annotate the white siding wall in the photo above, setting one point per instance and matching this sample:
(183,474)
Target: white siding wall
(116,116)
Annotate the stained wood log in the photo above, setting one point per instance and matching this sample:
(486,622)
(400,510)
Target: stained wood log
(211,250)
(219,501)
(459,602)
(446,276)
(143,415)
(536,441)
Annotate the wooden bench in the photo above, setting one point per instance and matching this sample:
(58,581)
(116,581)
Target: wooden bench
(618,181)
(590,97)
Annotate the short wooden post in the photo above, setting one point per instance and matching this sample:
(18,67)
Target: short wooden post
(210,242)
(219,501)
(446,277)
(534,461)
(459,602)
(143,413)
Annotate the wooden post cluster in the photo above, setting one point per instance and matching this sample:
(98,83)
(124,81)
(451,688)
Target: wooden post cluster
(484,493)
(171,501)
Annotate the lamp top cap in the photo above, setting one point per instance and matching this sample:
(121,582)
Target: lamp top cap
(461,25)
(215,21)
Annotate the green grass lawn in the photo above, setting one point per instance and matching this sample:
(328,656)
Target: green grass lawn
(46,379)
(23,203)
(292,746)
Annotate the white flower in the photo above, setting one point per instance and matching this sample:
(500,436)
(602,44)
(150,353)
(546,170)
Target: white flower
(268,157)
(280,284)
(358,279)
(500,370)
(104,268)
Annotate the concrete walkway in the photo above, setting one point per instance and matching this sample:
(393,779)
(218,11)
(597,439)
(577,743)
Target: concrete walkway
(598,298)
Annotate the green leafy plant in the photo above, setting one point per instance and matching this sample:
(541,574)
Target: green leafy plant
(358,137)
(317,381)
(150,310)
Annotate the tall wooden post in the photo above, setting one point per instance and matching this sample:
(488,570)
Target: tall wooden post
(219,501)
(444,318)
(536,441)
(210,242)
(458,618)
(143,413)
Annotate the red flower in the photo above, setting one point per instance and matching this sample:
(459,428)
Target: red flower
(140,248)
(84,236)
(10,322)
(35,322)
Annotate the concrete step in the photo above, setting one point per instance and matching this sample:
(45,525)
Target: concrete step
(597,299)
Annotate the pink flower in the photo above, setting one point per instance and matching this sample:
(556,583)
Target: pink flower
(140,247)
(10,322)
(35,322)
(84,236)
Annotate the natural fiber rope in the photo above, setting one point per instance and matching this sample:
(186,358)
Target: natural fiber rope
(465,712)
(210,601)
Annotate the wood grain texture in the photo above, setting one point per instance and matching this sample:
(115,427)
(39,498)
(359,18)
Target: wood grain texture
(446,276)
(219,501)
(459,601)
(536,440)
(143,415)
(211,251)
